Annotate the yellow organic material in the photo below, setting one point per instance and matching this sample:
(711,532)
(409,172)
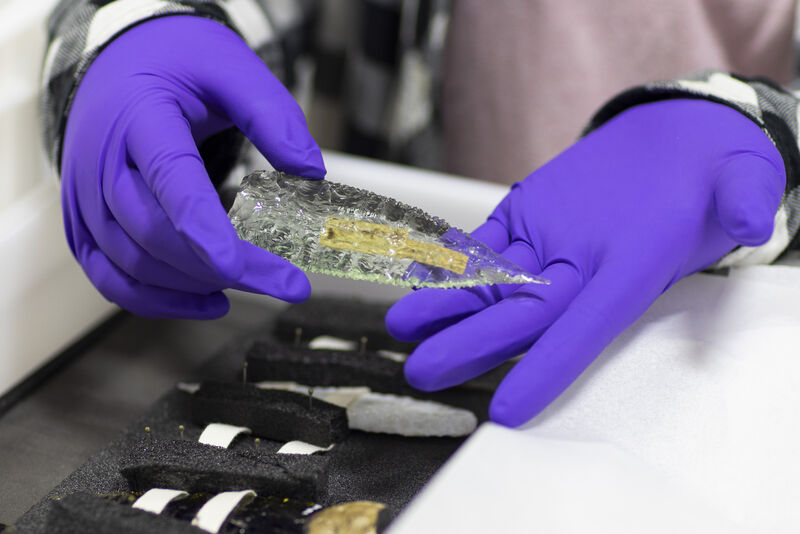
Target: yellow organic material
(357,517)
(373,238)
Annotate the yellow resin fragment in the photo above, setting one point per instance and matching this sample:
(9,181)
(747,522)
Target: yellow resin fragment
(357,517)
(383,240)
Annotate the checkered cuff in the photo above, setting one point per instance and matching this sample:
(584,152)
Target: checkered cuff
(773,109)
(80,29)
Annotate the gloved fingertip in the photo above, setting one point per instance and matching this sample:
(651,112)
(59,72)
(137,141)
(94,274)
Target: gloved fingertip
(296,287)
(278,129)
(505,412)
(747,196)
(305,162)
(419,373)
(399,322)
(750,226)
(212,306)
(268,274)
(225,261)
(216,245)
(315,166)
(287,283)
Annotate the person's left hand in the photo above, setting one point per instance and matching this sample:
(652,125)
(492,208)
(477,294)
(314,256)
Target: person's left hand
(659,192)
(141,214)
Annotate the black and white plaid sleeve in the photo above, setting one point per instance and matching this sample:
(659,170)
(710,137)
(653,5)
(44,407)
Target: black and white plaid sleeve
(78,30)
(393,75)
(773,109)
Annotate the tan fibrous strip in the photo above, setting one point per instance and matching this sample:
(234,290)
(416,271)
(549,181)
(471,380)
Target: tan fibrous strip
(383,240)
(357,517)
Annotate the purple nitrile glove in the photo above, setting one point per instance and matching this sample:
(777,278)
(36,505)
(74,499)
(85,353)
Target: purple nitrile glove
(659,192)
(140,212)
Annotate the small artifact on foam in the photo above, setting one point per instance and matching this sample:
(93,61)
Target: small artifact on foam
(329,228)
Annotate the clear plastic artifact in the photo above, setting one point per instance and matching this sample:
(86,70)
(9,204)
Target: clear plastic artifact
(335,229)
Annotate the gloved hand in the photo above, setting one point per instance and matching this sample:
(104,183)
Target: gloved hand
(659,192)
(141,215)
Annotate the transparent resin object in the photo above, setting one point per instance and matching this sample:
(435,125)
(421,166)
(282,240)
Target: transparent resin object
(329,228)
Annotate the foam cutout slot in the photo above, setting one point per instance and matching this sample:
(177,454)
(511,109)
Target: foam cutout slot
(199,468)
(274,414)
(347,319)
(271,361)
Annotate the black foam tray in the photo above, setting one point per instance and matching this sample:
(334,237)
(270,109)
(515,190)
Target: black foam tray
(377,467)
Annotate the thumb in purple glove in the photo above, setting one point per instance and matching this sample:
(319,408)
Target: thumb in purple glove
(659,192)
(140,212)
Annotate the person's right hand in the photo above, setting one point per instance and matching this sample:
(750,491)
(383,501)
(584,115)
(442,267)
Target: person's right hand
(140,212)
(660,191)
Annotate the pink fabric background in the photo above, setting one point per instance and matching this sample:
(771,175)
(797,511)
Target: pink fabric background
(522,77)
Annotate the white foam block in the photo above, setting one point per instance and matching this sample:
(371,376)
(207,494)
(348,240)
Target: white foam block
(221,435)
(705,387)
(156,499)
(503,480)
(215,512)
(46,301)
(703,391)
(393,414)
